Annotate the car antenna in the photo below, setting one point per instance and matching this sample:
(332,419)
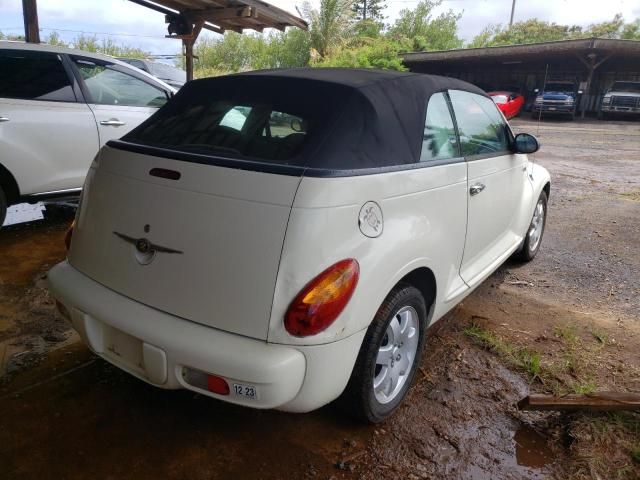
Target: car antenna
(544,84)
(546,71)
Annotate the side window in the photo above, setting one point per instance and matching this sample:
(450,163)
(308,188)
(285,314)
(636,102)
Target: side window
(34,76)
(439,140)
(482,129)
(108,86)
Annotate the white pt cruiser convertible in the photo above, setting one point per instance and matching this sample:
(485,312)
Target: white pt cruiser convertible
(279,239)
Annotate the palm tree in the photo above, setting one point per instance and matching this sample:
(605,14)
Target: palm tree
(330,25)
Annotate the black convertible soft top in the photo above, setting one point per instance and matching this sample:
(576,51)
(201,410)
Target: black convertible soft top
(361,118)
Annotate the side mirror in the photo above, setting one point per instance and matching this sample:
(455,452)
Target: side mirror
(536,90)
(526,143)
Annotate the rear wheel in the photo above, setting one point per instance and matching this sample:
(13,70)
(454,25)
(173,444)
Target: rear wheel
(533,237)
(3,206)
(388,357)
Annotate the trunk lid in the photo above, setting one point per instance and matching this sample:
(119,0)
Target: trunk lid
(217,234)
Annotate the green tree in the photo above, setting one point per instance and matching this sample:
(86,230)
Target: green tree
(631,31)
(380,52)
(330,25)
(426,31)
(369,9)
(54,39)
(610,29)
(106,46)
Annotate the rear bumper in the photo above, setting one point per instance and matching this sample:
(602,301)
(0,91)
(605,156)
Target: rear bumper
(162,349)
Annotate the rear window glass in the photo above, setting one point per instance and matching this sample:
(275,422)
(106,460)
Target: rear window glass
(227,128)
(34,76)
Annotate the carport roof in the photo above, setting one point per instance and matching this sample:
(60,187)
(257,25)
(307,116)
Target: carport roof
(234,15)
(525,53)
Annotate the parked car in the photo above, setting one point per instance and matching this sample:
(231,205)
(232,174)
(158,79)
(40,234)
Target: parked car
(284,269)
(168,74)
(556,98)
(623,98)
(58,106)
(509,103)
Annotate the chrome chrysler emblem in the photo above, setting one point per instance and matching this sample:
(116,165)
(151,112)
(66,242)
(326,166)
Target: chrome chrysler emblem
(145,250)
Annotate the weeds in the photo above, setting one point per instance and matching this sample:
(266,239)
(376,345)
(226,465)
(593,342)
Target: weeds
(600,336)
(524,358)
(568,332)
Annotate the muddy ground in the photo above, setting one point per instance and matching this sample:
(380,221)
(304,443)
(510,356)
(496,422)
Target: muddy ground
(568,322)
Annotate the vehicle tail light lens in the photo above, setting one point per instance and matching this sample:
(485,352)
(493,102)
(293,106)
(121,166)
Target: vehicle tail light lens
(217,385)
(322,299)
(69,235)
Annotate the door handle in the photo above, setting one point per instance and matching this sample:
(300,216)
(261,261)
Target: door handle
(476,189)
(4,119)
(112,122)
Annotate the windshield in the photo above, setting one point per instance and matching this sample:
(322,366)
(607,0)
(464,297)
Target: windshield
(633,87)
(499,99)
(559,87)
(167,72)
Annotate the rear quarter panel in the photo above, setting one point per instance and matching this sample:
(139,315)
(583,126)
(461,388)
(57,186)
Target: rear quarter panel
(424,216)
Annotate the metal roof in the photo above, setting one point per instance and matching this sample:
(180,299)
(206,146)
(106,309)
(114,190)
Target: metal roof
(526,51)
(234,15)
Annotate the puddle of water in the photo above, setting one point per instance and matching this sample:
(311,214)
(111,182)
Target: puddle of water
(531,448)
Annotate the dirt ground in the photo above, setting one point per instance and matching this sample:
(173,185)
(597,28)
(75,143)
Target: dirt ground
(567,322)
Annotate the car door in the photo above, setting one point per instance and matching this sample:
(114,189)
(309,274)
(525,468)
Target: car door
(48,135)
(496,180)
(119,98)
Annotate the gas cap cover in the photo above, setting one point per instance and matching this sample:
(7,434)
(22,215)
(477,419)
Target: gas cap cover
(370,220)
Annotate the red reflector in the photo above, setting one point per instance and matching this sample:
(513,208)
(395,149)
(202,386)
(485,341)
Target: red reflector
(320,302)
(68,236)
(217,385)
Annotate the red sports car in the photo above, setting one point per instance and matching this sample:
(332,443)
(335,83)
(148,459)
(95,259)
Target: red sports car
(509,103)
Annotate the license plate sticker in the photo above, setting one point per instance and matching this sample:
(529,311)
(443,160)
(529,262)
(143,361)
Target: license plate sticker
(245,391)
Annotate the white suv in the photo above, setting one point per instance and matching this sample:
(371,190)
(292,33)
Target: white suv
(58,106)
(277,239)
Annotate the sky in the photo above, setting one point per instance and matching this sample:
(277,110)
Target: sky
(137,26)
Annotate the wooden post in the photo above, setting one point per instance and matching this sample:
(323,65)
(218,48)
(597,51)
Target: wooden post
(188,52)
(30,15)
(188,43)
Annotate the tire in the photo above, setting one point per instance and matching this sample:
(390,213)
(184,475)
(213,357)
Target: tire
(3,206)
(532,241)
(404,305)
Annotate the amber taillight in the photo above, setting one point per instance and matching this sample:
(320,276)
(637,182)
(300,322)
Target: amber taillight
(320,302)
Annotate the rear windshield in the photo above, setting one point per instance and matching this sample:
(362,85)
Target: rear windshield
(227,128)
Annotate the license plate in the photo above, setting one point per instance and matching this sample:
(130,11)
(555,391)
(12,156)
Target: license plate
(552,108)
(245,391)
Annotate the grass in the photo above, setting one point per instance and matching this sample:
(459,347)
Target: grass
(526,359)
(603,445)
(568,332)
(570,371)
(633,196)
(600,336)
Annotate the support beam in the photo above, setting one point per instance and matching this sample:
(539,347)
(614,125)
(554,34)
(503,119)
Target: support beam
(30,15)
(214,14)
(188,43)
(592,66)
